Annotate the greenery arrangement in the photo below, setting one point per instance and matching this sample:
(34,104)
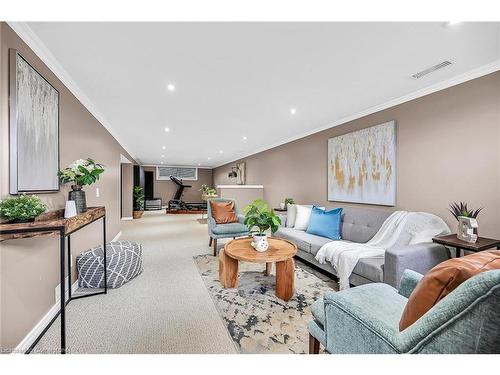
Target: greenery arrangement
(289,201)
(138,198)
(461,209)
(81,172)
(258,215)
(20,209)
(207,190)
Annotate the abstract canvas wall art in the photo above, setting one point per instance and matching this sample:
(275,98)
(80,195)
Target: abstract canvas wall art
(362,166)
(34,129)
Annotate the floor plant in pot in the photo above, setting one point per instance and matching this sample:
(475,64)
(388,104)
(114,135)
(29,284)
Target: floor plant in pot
(21,209)
(79,173)
(138,202)
(259,218)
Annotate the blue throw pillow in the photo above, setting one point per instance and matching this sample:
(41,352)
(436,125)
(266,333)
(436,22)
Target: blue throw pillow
(325,223)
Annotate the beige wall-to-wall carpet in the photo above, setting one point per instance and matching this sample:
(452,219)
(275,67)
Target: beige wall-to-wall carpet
(165,189)
(166,309)
(448,149)
(30,268)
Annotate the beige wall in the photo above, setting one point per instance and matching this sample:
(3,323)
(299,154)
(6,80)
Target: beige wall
(448,149)
(165,189)
(29,268)
(127,189)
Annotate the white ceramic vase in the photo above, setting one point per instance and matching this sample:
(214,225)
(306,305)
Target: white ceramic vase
(260,243)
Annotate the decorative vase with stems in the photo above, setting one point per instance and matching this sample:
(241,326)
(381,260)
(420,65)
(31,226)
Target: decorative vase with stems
(259,216)
(80,172)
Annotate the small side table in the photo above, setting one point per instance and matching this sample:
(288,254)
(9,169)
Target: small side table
(481,244)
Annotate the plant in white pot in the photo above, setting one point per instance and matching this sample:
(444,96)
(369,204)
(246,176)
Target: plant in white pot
(258,219)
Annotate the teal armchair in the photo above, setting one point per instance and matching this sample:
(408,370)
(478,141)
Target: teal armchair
(365,319)
(231,230)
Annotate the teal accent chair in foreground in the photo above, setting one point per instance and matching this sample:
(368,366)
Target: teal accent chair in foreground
(365,319)
(231,230)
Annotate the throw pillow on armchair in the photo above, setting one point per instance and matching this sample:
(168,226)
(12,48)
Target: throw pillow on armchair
(223,212)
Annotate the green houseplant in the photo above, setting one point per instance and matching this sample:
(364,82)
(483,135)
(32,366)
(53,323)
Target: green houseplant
(207,190)
(21,209)
(80,172)
(460,209)
(138,202)
(258,219)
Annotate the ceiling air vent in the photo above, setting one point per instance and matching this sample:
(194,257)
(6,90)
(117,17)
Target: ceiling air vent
(182,173)
(431,69)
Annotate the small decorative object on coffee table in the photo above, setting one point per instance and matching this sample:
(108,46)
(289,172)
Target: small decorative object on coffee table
(80,172)
(258,215)
(280,252)
(480,245)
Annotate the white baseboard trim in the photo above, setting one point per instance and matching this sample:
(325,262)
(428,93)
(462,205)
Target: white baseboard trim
(117,236)
(127,218)
(30,338)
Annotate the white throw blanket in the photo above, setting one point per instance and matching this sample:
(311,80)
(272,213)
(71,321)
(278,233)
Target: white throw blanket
(402,228)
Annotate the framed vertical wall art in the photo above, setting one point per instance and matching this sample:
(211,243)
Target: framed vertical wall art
(33,127)
(362,166)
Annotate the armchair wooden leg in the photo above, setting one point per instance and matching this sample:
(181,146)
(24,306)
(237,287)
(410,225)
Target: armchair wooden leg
(215,247)
(210,241)
(313,345)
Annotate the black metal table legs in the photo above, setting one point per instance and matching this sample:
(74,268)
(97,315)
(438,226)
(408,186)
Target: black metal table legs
(63,301)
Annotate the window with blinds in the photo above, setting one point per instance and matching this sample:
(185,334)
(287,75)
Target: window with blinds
(182,173)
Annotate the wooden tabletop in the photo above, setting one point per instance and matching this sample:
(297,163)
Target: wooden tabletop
(50,220)
(481,244)
(279,250)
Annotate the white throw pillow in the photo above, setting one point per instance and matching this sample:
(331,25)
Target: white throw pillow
(291,212)
(302,217)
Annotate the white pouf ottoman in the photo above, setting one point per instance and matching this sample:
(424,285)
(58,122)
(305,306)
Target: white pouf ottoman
(124,262)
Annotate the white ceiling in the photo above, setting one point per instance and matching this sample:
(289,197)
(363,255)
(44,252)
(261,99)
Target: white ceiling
(241,79)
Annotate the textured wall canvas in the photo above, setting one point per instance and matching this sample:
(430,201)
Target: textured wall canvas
(34,129)
(362,166)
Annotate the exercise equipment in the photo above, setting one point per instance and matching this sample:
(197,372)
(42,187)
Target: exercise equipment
(176,203)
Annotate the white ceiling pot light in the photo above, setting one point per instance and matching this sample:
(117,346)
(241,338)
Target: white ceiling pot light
(326,86)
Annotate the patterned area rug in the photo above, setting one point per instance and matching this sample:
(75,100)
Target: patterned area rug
(256,319)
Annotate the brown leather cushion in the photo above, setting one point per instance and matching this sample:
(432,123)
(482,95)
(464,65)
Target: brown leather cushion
(223,212)
(443,279)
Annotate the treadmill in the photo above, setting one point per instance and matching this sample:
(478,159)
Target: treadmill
(176,203)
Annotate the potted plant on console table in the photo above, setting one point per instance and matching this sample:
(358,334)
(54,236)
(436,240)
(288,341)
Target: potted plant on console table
(80,172)
(21,209)
(258,215)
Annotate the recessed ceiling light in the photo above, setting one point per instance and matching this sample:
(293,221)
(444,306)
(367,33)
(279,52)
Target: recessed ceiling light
(163,156)
(167,129)
(161,162)
(170,87)
(293,111)
(245,138)
(221,152)
(209,158)
(199,164)
(163,148)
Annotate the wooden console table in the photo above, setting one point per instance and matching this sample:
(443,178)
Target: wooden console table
(54,223)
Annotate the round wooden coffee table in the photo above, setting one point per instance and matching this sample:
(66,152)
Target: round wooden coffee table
(280,252)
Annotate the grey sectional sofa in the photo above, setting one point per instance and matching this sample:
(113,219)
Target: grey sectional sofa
(360,225)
